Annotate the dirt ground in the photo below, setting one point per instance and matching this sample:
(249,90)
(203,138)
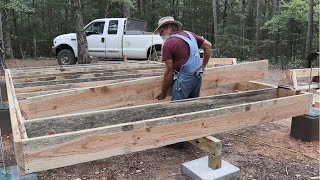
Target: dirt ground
(256,160)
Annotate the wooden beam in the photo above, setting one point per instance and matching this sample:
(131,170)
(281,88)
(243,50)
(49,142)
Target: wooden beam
(134,92)
(213,147)
(101,78)
(81,121)
(15,126)
(59,71)
(80,75)
(67,86)
(299,73)
(59,150)
(221,61)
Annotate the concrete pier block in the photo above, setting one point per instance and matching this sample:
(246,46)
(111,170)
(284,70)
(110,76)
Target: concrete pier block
(11,173)
(198,170)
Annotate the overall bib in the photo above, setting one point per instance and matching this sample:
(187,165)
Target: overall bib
(187,81)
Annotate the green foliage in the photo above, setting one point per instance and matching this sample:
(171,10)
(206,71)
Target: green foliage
(283,36)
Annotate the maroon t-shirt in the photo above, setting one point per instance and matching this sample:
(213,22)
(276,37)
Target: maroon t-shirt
(178,50)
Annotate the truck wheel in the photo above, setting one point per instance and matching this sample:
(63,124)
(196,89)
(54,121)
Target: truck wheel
(66,57)
(153,56)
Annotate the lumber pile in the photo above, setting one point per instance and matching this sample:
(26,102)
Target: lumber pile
(72,114)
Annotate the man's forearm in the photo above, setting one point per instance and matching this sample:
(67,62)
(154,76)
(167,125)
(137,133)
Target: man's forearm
(206,57)
(207,47)
(167,82)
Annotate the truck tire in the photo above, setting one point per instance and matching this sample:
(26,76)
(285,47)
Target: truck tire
(153,56)
(66,57)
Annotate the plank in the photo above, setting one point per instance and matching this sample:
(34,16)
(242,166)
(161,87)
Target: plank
(59,70)
(299,73)
(67,86)
(135,92)
(81,121)
(15,126)
(77,80)
(213,147)
(222,61)
(80,75)
(47,152)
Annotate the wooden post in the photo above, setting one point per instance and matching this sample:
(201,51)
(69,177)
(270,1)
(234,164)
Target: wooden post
(213,147)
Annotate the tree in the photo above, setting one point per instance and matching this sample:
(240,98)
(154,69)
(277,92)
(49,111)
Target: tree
(309,31)
(83,53)
(258,22)
(215,21)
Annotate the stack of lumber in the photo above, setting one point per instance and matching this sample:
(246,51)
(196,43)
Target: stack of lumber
(72,114)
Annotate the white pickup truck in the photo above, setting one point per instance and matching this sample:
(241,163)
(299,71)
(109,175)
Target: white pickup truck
(111,38)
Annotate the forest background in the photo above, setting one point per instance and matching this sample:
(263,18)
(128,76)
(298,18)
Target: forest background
(283,31)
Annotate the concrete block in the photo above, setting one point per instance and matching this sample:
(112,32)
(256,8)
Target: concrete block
(198,170)
(3,91)
(5,123)
(11,173)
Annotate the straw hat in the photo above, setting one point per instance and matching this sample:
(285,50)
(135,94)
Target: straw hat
(168,20)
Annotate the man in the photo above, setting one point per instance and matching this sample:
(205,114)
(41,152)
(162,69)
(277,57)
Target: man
(180,52)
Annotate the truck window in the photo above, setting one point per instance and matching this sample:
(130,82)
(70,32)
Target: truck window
(95,28)
(113,27)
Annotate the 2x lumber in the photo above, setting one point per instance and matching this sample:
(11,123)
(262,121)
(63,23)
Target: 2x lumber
(15,126)
(213,147)
(134,92)
(67,86)
(22,96)
(299,73)
(77,80)
(106,64)
(96,119)
(46,72)
(48,152)
(84,75)
(222,61)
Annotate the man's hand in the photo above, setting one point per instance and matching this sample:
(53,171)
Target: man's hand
(161,96)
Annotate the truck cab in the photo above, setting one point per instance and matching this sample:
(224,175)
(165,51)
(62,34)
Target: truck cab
(111,38)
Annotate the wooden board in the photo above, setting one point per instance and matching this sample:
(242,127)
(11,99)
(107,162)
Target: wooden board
(134,92)
(59,150)
(221,61)
(96,119)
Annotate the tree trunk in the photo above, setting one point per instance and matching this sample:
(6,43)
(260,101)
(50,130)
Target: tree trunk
(126,10)
(242,28)
(83,53)
(309,33)
(6,34)
(275,9)
(258,22)
(215,21)
(224,17)
(33,33)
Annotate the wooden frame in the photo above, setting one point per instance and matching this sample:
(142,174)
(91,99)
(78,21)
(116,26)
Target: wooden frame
(50,137)
(295,74)
(312,74)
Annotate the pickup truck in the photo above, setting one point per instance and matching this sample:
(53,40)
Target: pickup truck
(112,38)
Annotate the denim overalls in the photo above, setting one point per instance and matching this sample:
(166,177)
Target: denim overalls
(187,82)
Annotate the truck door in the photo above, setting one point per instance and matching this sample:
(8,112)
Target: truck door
(113,40)
(96,39)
